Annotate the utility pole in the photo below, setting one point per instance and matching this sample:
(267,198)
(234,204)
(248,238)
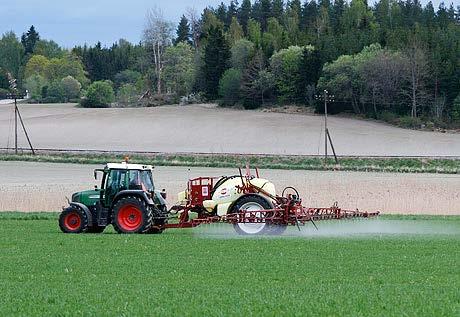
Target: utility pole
(14,95)
(23,128)
(15,126)
(325,124)
(326,97)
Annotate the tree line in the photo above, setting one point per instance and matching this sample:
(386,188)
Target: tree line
(392,60)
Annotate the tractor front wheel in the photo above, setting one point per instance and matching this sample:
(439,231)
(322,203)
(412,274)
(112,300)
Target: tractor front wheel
(73,220)
(132,215)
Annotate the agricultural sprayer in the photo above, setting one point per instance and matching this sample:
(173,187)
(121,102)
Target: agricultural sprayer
(127,199)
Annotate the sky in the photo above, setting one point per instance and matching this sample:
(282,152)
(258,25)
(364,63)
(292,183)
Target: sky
(71,23)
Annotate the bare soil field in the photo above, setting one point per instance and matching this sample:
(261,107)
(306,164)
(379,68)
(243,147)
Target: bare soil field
(44,186)
(207,128)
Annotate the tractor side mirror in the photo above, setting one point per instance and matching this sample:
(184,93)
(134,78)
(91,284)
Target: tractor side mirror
(97,171)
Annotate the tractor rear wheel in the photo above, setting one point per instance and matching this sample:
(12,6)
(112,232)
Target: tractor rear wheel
(73,220)
(132,215)
(251,203)
(159,220)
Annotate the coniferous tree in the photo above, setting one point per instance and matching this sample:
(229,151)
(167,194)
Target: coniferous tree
(221,13)
(428,15)
(256,11)
(442,15)
(208,20)
(29,40)
(337,12)
(293,19)
(310,70)
(265,13)
(295,5)
(324,15)
(4,82)
(105,63)
(325,3)
(382,13)
(335,28)
(277,9)
(244,14)
(231,12)
(450,13)
(309,15)
(216,60)
(183,31)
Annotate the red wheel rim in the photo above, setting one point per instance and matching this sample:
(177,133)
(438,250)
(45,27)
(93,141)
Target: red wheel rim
(129,218)
(72,221)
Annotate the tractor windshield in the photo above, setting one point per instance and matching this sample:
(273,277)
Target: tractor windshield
(141,180)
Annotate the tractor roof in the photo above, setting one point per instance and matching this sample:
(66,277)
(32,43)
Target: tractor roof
(128,166)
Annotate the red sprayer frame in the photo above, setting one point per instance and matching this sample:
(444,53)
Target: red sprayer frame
(287,210)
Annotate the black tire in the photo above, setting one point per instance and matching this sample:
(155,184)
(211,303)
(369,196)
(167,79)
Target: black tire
(274,229)
(95,229)
(252,199)
(142,215)
(159,220)
(73,220)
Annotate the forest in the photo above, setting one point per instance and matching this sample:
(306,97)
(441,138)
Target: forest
(397,61)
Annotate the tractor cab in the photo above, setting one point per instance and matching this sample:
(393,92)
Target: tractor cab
(126,198)
(120,177)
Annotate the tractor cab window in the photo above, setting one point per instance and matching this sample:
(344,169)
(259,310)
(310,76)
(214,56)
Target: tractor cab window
(116,180)
(140,180)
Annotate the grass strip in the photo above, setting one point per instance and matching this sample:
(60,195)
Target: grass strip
(17,215)
(394,165)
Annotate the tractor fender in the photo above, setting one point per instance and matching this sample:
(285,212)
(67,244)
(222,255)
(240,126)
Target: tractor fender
(246,195)
(86,210)
(160,198)
(139,193)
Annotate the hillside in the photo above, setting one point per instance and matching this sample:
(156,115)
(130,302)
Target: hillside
(207,128)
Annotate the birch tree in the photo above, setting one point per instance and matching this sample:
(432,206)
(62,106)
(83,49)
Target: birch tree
(157,36)
(193,20)
(416,75)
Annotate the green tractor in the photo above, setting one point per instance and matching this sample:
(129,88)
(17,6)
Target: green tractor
(127,199)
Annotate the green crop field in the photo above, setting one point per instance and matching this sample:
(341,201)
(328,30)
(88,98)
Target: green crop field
(399,267)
